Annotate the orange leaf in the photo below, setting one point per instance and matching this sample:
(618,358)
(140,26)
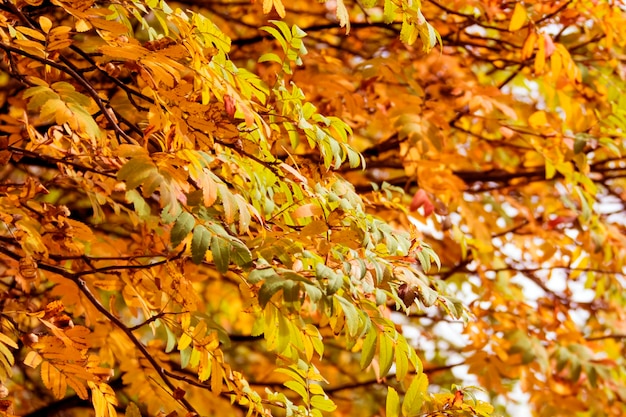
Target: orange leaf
(307,210)
(529,45)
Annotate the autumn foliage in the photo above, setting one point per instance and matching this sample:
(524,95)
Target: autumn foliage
(350,208)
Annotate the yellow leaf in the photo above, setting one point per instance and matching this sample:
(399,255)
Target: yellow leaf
(556,63)
(550,169)
(82,25)
(103,399)
(45,24)
(571,69)
(184,341)
(518,19)
(35,34)
(30,46)
(342,15)
(565,102)
(33,359)
(204,368)
(538,119)
(278,5)
(280,9)
(540,59)
(8,341)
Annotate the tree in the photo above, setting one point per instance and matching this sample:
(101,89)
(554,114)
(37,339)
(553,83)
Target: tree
(346,208)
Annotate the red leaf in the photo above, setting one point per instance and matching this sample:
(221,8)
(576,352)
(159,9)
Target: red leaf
(229,104)
(550,47)
(421,199)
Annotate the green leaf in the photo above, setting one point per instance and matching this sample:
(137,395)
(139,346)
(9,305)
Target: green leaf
(291,291)
(199,243)
(354,158)
(296,374)
(283,336)
(184,223)
(408,32)
(185,356)
(579,144)
(298,388)
(270,287)
(314,293)
(296,32)
(170,213)
(278,36)
(270,57)
(389,11)
(323,403)
(171,340)
(424,259)
(414,397)
(284,28)
(369,347)
(392,407)
(402,358)
(426,295)
(385,353)
(334,280)
(381,297)
(352,316)
(136,171)
(241,255)
(132,410)
(220,249)
(41,95)
(141,207)
(260,274)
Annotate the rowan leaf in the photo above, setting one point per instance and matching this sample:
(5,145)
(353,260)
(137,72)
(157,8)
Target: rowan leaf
(316,161)
(185,222)
(241,255)
(136,171)
(221,251)
(132,410)
(270,287)
(519,17)
(369,347)
(415,395)
(392,405)
(323,403)
(385,353)
(200,243)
